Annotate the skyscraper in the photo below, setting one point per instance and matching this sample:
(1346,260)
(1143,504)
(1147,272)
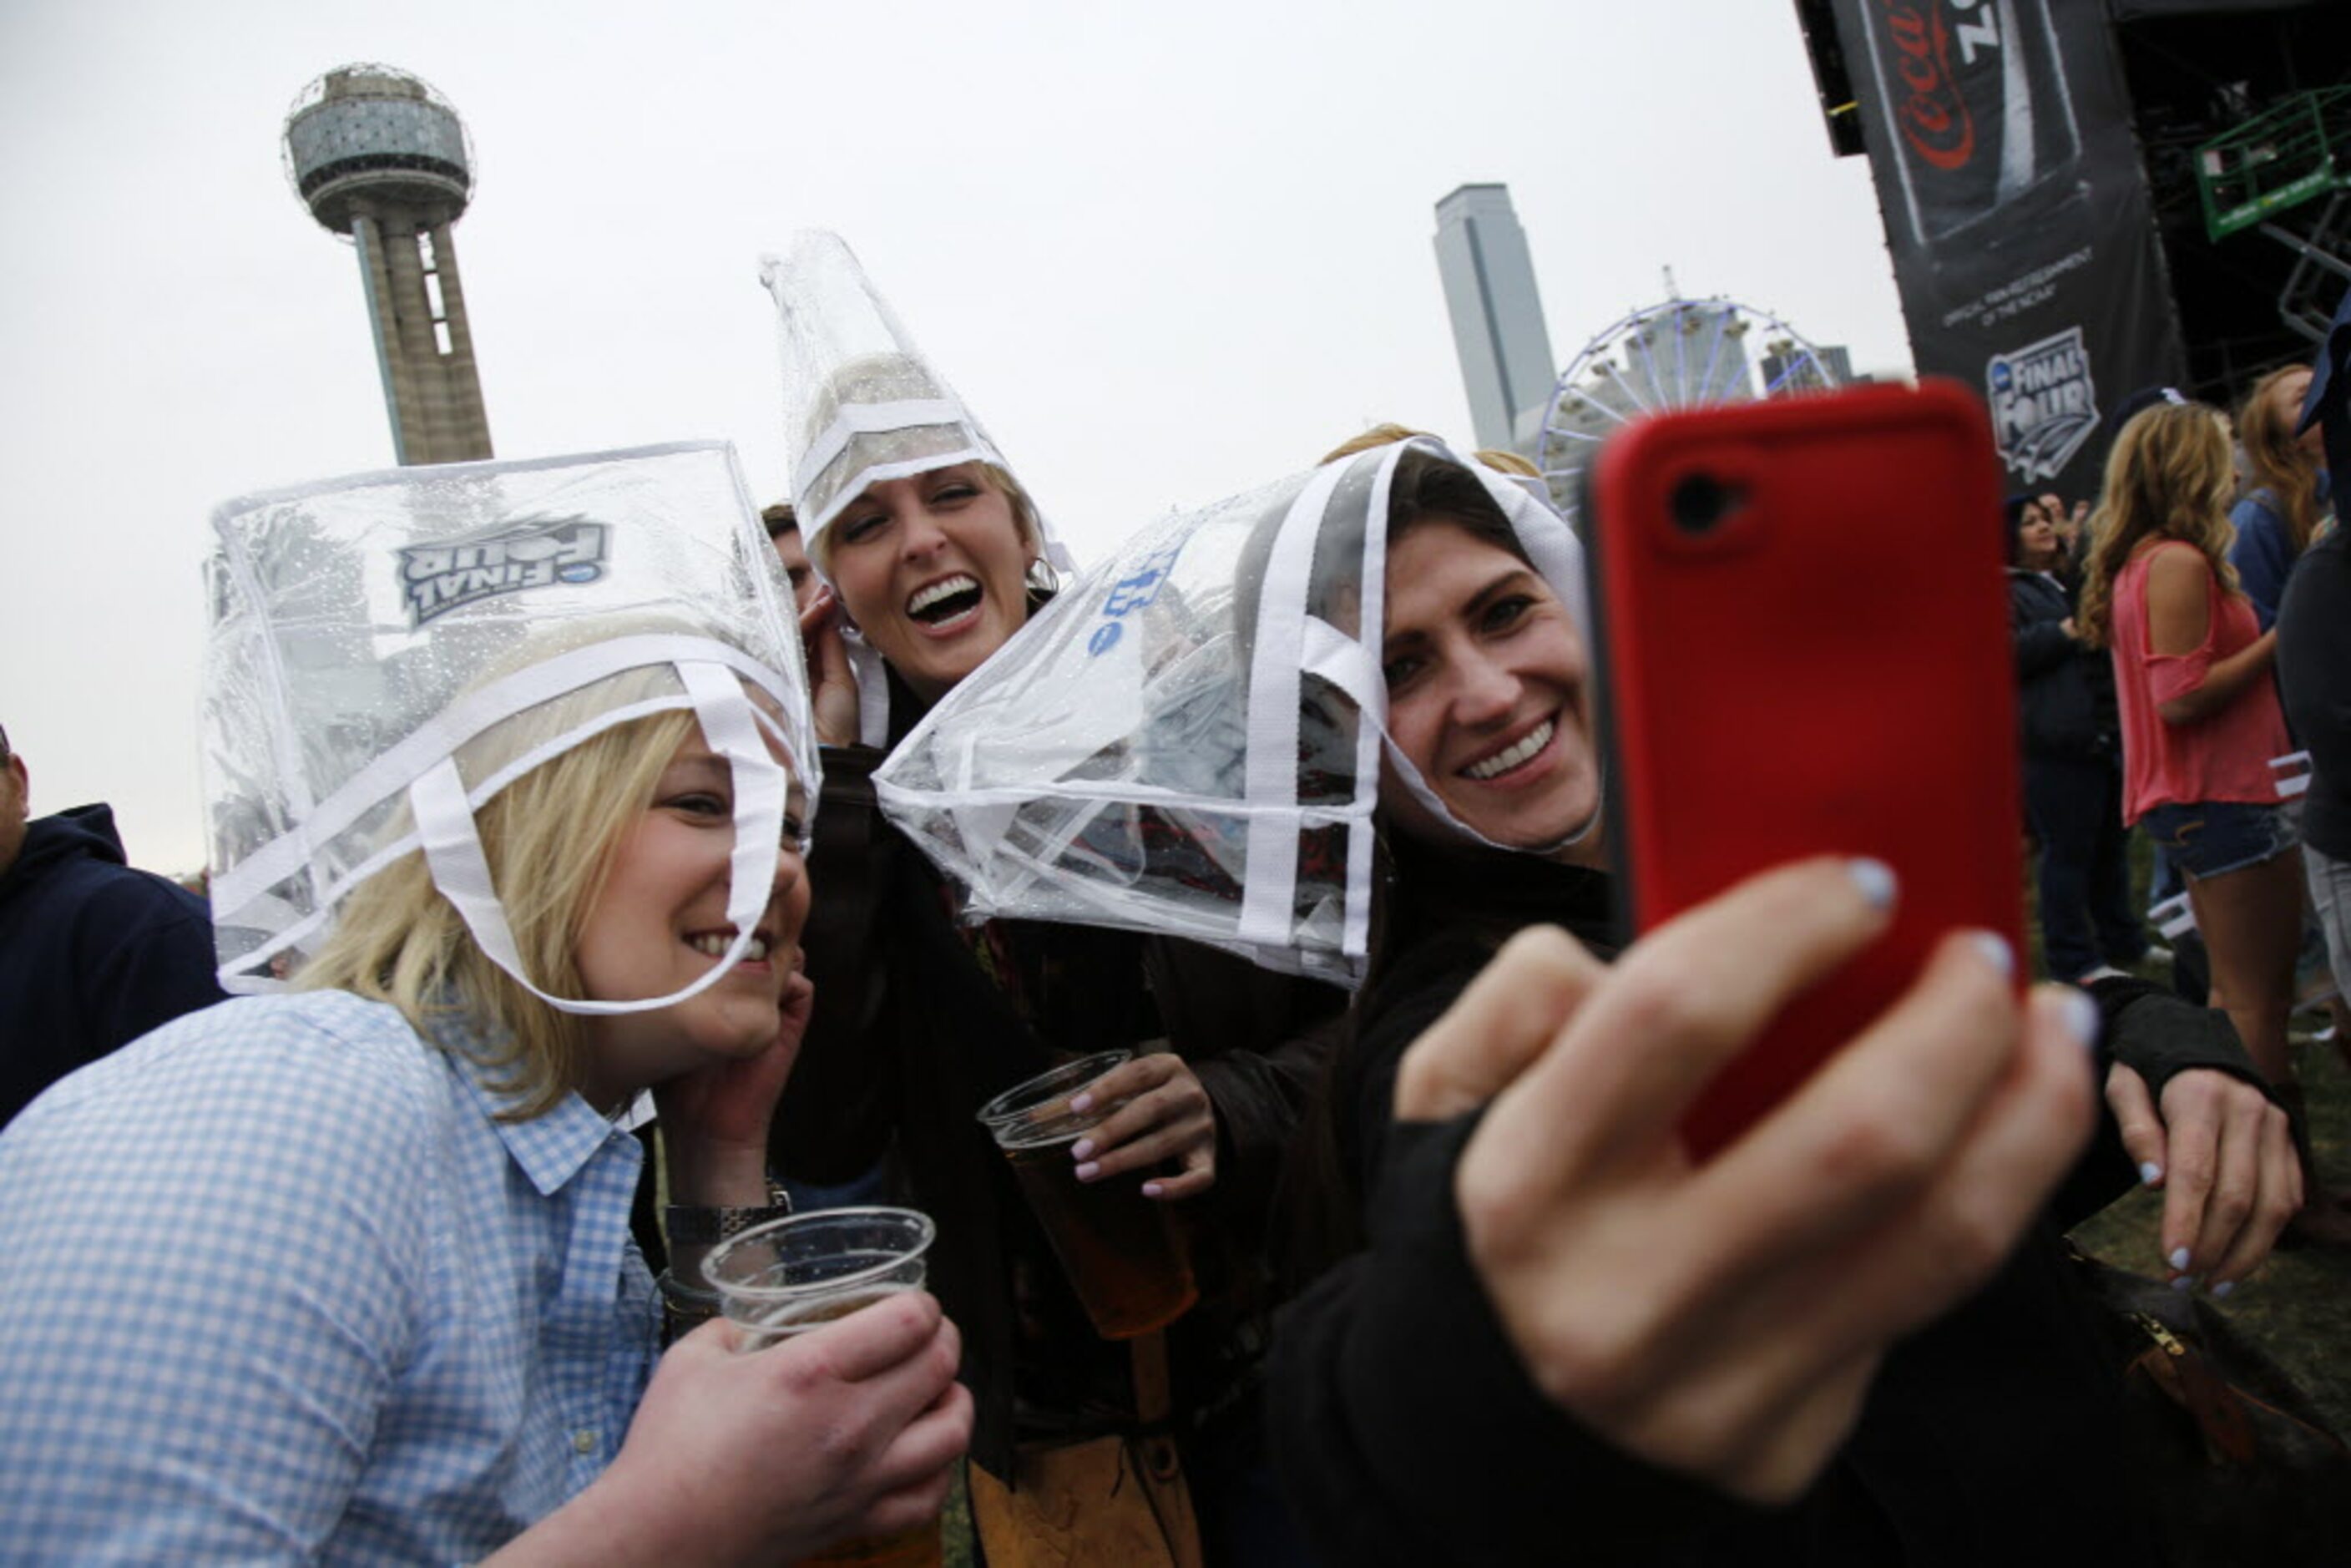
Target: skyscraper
(1497,319)
(383,159)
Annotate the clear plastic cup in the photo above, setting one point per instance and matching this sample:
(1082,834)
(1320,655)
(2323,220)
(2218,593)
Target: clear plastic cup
(1120,1250)
(794,1274)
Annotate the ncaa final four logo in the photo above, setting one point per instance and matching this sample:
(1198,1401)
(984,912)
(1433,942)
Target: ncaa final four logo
(2043,404)
(539,553)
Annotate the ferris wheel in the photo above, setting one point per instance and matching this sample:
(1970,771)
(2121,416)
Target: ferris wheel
(1682,353)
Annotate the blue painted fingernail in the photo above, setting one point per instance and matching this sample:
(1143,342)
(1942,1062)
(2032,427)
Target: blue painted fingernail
(1151,1189)
(2149,1171)
(2178,1258)
(1081,1148)
(2082,1019)
(2221,1292)
(2185,1283)
(1088,1171)
(1996,951)
(1082,1101)
(1875,878)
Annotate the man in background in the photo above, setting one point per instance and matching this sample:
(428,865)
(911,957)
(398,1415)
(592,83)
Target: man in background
(784,533)
(93,953)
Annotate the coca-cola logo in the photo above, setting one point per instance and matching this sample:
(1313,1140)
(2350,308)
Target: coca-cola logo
(1932,113)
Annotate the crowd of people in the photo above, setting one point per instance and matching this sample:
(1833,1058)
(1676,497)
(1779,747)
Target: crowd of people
(505,861)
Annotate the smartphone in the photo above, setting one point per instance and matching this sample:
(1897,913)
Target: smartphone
(1803,623)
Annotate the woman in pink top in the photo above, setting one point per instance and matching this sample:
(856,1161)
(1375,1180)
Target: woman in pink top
(2199,712)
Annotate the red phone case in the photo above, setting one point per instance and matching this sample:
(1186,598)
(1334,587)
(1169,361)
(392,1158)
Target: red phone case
(1827,668)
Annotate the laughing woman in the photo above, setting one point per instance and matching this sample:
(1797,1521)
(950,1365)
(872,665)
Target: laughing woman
(345,1273)
(934,557)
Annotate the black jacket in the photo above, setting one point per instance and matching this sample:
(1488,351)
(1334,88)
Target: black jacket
(918,1022)
(2066,693)
(93,953)
(2313,666)
(1406,1431)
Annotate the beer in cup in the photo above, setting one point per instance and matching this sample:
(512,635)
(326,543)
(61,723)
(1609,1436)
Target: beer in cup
(1120,1248)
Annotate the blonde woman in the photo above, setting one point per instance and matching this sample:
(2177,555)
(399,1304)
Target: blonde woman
(2199,711)
(2286,489)
(344,1272)
(935,557)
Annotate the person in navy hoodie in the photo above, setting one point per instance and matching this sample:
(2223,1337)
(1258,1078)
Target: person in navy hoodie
(93,954)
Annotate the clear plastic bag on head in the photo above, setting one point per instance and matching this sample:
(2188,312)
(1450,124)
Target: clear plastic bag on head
(861,402)
(387,651)
(1189,740)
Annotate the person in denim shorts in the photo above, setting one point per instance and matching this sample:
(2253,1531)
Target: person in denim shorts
(2199,711)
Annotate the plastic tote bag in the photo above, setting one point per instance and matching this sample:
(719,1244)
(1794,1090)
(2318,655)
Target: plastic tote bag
(388,651)
(1190,739)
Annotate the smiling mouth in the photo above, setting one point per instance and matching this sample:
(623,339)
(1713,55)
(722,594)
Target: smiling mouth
(946,600)
(1514,755)
(713,945)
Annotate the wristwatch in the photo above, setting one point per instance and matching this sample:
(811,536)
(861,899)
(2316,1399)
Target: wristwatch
(695,1225)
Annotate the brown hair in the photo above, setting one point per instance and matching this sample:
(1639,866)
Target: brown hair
(2168,476)
(2275,462)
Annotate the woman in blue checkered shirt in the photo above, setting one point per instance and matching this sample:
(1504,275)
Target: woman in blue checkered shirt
(345,1273)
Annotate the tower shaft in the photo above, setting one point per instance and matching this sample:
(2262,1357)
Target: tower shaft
(424,347)
(1497,319)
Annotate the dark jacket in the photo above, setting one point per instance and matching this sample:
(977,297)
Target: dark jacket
(1406,1430)
(93,953)
(920,1021)
(2313,668)
(2066,692)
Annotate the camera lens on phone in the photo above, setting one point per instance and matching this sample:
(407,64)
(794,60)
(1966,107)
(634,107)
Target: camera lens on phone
(1700,503)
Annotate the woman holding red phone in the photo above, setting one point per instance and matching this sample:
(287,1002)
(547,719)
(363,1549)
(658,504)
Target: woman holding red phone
(1535,1269)
(1541,1327)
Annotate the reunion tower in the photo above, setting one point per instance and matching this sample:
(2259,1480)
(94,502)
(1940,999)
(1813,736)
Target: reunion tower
(383,159)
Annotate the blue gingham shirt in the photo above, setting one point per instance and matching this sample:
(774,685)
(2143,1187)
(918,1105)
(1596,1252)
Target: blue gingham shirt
(274,1285)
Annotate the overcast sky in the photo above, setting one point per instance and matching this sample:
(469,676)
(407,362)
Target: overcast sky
(1165,251)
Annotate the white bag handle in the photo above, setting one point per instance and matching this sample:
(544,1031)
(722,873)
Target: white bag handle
(453,848)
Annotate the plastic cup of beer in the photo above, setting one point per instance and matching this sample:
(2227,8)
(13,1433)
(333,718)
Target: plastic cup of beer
(1120,1250)
(791,1275)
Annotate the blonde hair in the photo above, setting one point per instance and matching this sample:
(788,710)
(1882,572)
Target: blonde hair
(2275,462)
(550,838)
(1503,461)
(2169,475)
(1389,433)
(1385,434)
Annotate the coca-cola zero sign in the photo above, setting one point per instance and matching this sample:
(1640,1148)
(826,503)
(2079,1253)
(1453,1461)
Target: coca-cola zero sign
(1933,114)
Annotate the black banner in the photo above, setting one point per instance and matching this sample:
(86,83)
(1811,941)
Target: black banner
(2024,244)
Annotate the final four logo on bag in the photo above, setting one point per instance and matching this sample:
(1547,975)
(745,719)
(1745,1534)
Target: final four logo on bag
(2043,404)
(539,553)
(1129,593)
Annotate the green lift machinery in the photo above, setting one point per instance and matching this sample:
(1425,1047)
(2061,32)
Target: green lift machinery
(2286,173)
